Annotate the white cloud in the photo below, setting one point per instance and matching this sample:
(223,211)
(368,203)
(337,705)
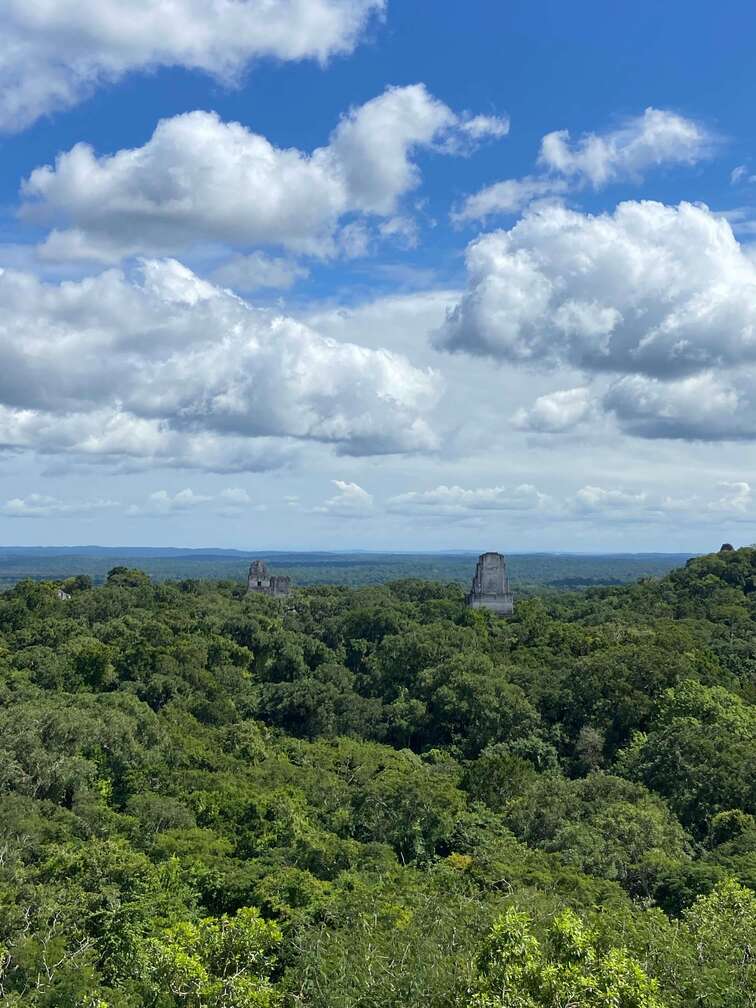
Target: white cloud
(53,53)
(595,499)
(455,502)
(741,174)
(234,501)
(478,127)
(199,179)
(391,321)
(370,149)
(736,497)
(556,411)
(236,496)
(734,502)
(350,501)
(162,503)
(165,366)
(403,229)
(473,413)
(450,501)
(705,407)
(589,504)
(664,291)
(231,502)
(652,139)
(252,272)
(662,298)
(41,506)
(127,442)
(507,197)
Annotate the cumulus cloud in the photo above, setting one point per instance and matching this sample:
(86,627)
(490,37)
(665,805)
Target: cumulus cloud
(236,500)
(588,504)
(732,501)
(370,150)
(595,499)
(736,497)
(126,442)
(705,407)
(199,179)
(655,138)
(53,53)
(650,289)
(450,501)
(163,366)
(230,502)
(350,501)
(556,412)
(661,299)
(507,197)
(41,506)
(162,503)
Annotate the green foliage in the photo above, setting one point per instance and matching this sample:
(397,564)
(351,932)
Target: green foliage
(214,963)
(700,753)
(722,930)
(602,825)
(211,800)
(516,970)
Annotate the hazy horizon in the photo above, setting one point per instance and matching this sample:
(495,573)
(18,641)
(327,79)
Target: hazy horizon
(315,551)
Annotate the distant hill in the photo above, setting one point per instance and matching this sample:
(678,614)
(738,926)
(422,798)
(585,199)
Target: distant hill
(352,568)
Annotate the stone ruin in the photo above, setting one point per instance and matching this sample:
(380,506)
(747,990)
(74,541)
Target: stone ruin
(259,580)
(490,586)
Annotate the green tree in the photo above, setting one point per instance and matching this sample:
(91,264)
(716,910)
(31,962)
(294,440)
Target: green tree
(722,961)
(700,753)
(221,962)
(516,970)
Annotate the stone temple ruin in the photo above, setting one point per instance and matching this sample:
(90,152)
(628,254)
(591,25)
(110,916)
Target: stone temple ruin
(490,586)
(259,580)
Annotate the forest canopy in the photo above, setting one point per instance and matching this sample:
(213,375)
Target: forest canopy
(377,797)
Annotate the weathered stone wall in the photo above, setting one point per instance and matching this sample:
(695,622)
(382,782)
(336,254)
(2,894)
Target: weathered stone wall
(490,586)
(259,580)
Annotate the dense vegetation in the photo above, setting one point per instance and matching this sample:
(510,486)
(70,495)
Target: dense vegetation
(375,797)
(527,571)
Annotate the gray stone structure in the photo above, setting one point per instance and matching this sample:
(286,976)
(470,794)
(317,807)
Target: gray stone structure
(259,580)
(490,586)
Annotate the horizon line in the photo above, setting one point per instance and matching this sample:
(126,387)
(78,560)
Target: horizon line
(355,550)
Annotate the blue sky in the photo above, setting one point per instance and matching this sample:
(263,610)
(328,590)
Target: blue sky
(387,275)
